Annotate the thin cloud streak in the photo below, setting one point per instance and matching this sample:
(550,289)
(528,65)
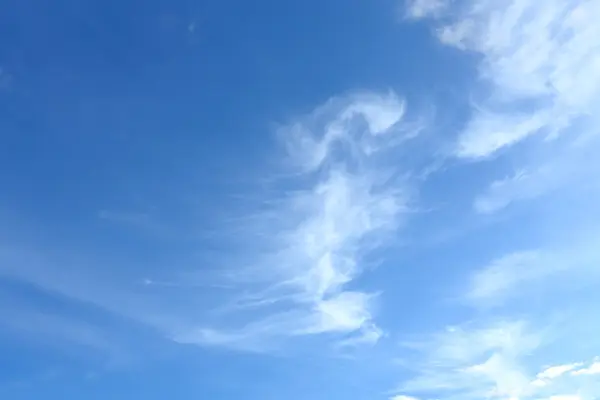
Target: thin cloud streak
(517,275)
(503,276)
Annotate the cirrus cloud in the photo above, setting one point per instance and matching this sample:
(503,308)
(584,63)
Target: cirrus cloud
(341,198)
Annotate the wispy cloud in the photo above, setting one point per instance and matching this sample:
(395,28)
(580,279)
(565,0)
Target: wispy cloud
(425,8)
(300,253)
(505,275)
(564,169)
(474,362)
(504,350)
(520,274)
(536,81)
(522,185)
(499,360)
(538,67)
(338,200)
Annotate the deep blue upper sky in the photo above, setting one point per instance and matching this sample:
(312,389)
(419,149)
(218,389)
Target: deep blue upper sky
(302,200)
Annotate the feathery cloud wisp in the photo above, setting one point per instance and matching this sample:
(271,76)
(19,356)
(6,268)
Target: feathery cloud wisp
(539,60)
(340,199)
(474,362)
(424,8)
(518,274)
(503,276)
(496,361)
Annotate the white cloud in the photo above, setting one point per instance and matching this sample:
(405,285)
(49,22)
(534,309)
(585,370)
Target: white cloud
(402,397)
(499,279)
(502,359)
(546,377)
(593,369)
(537,80)
(557,370)
(341,200)
(380,112)
(292,261)
(425,8)
(523,185)
(310,141)
(488,132)
(540,60)
(530,274)
(475,362)
(495,361)
(565,170)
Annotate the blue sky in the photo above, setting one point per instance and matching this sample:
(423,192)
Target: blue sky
(301,200)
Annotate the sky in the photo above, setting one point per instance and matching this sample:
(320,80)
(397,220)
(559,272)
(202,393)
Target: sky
(359,199)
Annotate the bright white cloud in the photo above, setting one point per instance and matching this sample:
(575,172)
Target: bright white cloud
(537,80)
(474,362)
(341,200)
(501,359)
(546,377)
(402,397)
(557,370)
(495,361)
(540,60)
(311,141)
(593,369)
